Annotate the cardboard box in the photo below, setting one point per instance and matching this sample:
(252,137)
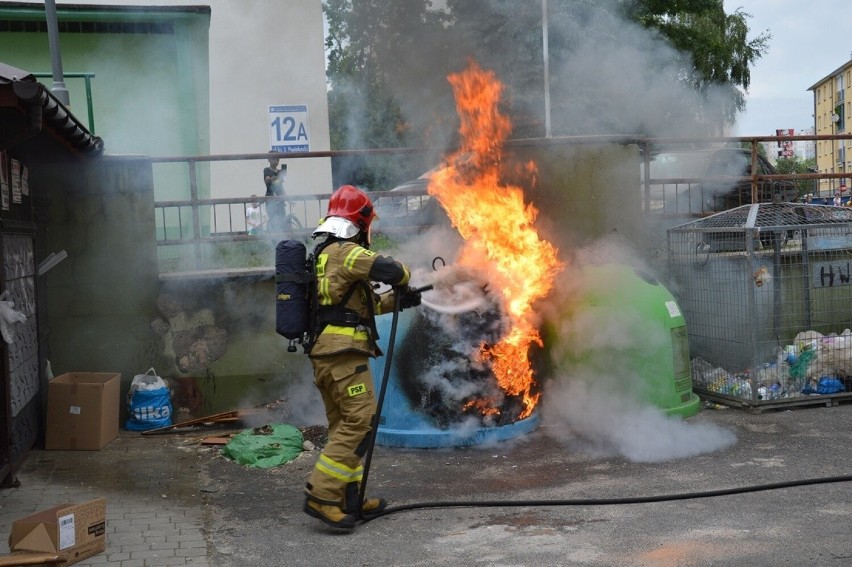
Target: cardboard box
(75,531)
(28,558)
(82,410)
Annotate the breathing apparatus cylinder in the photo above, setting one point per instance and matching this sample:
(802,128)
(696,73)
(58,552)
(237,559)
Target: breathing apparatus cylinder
(292,310)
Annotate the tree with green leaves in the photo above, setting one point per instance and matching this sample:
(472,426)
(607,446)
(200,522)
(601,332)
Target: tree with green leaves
(372,46)
(799,165)
(720,52)
(632,67)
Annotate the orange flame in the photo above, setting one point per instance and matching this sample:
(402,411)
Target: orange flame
(497,227)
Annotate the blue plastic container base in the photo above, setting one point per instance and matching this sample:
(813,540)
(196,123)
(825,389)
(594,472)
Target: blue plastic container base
(431,438)
(405,426)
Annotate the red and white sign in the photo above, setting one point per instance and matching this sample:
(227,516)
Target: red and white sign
(786,147)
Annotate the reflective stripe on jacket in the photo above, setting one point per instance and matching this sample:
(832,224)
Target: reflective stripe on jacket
(339,266)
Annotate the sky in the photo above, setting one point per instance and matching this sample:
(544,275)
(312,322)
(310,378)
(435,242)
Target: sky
(810,39)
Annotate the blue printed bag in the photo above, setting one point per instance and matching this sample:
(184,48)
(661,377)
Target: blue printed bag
(149,403)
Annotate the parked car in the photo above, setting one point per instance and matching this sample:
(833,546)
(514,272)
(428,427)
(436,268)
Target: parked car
(411,206)
(693,181)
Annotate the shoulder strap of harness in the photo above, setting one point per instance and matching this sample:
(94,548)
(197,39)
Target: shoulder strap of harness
(338,314)
(325,314)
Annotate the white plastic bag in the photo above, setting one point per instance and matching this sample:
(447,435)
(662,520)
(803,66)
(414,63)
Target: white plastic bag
(147,381)
(8,317)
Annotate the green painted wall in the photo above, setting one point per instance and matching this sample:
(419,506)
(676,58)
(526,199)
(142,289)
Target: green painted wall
(150,91)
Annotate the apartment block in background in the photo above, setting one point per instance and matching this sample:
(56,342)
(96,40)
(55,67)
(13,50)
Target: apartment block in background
(832,112)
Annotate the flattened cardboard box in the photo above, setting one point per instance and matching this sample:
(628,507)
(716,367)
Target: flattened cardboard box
(75,531)
(82,411)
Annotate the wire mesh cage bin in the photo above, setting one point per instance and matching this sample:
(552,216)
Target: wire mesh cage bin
(766,291)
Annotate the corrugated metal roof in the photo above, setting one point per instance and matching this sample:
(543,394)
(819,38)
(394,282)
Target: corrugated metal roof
(33,120)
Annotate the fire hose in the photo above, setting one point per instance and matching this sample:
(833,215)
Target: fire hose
(539,503)
(613,501)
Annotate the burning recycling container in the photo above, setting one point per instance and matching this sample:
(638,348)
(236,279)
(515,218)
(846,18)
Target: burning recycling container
(463,373)
(442,390)
(624,330)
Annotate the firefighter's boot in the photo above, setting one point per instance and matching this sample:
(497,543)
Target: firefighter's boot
(329,514)
(371,507)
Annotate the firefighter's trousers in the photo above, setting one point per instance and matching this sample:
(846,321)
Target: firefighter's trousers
(346,385)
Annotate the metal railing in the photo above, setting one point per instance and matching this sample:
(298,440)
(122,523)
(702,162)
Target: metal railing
(199,234)
(188,244)
(204,234)
(815,187)
(179,222)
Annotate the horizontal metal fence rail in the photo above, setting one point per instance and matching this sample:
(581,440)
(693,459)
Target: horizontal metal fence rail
(228,217)
(649,146)
(183,225)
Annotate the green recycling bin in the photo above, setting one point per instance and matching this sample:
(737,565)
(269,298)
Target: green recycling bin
(624,327)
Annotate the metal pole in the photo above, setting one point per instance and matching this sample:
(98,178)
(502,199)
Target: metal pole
(59,90)
(196,216)
(546,56)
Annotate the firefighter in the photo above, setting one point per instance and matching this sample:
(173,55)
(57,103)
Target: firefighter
(345,340)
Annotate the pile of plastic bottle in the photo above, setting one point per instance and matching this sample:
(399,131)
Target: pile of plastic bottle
(773,381)
(811,364)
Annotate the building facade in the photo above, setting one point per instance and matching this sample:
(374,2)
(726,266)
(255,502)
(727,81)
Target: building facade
(832,110)
(177,78)
(805,149)
(800,149)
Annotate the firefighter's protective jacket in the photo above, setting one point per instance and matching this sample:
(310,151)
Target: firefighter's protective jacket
(339,266)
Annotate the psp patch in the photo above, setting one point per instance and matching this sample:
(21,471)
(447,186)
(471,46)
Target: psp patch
(357,389)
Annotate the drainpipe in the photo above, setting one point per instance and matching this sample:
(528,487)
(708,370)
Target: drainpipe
(58,90)
(546,55)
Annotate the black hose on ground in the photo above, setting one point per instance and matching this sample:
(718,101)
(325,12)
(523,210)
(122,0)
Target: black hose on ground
(613,501)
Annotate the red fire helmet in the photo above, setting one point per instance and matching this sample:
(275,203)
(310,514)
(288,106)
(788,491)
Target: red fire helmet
(352,204)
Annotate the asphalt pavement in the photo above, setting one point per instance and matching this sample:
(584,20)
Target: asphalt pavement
(547,498)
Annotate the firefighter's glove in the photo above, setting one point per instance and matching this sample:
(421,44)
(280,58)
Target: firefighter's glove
(409,297)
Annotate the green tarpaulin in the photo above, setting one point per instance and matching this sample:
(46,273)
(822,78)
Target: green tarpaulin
(265,447)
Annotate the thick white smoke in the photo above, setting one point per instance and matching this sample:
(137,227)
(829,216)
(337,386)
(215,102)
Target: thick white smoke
(591,400)
(591,414)
(629,86)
